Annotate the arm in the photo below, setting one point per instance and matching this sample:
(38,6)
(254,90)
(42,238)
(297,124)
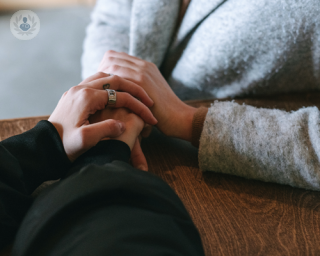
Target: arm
(108,30)
(26,161)
(265,144)
(105,209)
(46,151)
(269,145)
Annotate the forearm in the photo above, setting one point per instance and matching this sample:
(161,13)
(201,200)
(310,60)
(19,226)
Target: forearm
(264,144)
(38,155)
(26,160)
(114,203)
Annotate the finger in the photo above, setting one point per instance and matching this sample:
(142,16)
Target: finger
(93,133)
(138,159)
(112,60)
(123,55)
(124,72)
(146,131)
(120,84)
(125,100)
(91,100)
(95,77)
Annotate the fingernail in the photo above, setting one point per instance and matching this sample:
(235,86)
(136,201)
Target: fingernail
(122,126)
(143,168)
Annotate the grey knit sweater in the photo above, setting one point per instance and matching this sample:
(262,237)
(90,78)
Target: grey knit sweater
(263,144)
(225,49)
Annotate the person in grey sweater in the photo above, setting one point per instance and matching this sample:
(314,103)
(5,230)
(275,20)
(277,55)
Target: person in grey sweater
(220,49)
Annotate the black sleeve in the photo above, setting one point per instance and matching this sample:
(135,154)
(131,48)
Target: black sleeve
(27,160)
(104,206)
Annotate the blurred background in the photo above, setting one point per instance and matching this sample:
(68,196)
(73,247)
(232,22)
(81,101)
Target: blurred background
(35,73)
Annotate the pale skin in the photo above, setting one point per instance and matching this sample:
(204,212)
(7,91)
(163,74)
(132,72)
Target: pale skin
(77,105)
(174,116)
(82,120)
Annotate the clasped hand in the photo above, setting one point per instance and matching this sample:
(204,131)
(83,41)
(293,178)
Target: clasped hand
(82,120)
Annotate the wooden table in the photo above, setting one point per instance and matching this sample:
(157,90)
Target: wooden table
(235,216)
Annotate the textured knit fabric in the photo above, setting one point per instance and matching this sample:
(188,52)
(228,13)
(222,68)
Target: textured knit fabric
(228,48)
(222,48)
(268,145)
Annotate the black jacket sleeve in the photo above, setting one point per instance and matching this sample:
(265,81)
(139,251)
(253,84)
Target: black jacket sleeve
(27,160)
(102,204)
(108,208)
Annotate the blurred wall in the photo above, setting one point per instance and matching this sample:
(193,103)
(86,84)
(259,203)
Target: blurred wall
(35,73)
(31,4)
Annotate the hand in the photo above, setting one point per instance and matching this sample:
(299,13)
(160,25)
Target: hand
(124,99)
(134,126)
(133,123)
(174,117)
(71,115)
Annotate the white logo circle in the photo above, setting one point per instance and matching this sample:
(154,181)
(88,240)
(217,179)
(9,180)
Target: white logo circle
(25,25)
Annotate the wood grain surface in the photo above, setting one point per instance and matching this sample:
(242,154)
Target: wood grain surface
(234,216)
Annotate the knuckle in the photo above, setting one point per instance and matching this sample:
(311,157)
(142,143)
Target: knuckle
(143,64)
(74,89)
(109,59)
(114,68)
(141,77)
(113,126)
(101,74)
(108,53)
(115,79)
(85,92)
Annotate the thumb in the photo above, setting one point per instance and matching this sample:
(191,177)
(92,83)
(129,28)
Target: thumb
(107,128)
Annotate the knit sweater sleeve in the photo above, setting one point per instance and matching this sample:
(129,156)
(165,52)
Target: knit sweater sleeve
(264,144)
(109,30)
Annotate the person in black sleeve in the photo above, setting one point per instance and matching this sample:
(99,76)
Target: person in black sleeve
(101,205)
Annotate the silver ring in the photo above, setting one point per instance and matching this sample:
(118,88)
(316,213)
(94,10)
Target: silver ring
(109,74)
(112,97)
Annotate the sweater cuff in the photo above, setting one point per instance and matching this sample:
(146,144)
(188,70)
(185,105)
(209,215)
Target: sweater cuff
(197,125)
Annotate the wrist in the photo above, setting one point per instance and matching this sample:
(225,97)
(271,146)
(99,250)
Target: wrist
(183,122)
